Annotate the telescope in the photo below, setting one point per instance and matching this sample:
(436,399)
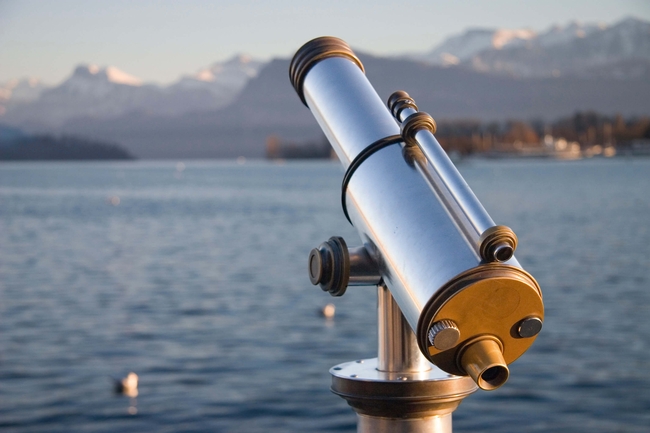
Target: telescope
(455,306)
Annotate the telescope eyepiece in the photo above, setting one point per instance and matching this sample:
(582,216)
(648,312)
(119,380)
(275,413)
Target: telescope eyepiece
(482,359)
(494,377)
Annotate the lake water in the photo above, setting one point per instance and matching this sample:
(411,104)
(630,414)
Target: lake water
(194,276)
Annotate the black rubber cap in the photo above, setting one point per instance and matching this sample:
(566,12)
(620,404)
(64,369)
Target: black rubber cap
(313,52)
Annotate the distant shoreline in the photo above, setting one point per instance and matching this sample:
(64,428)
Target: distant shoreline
(50,148)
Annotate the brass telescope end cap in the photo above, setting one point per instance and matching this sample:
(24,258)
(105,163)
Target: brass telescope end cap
(313,52)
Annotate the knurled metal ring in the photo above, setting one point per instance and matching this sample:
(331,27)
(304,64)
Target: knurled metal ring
(399,101)
(414,123)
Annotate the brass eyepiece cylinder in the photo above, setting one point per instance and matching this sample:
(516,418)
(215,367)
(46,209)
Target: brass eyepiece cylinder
(483,361)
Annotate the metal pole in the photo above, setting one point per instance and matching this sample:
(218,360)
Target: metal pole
(398,351)
(433,424)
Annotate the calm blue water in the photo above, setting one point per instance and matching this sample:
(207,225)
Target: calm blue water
(196,280)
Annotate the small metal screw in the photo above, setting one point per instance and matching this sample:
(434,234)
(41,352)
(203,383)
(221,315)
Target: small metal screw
(529,327)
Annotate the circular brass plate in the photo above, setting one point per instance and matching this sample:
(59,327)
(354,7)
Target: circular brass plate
(490,299)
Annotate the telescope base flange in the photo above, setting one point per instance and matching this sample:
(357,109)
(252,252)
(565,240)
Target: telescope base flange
(406,402)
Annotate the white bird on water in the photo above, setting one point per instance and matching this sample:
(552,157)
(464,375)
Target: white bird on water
(328,311)
(127,386)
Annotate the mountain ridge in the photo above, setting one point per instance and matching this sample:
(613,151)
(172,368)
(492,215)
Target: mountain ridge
(574,49)
(108,92)
(230,108)
(268,106)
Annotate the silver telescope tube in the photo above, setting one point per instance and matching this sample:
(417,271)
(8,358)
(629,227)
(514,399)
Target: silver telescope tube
(471,315)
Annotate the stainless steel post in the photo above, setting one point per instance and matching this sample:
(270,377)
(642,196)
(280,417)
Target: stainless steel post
(432,424)
(398,351)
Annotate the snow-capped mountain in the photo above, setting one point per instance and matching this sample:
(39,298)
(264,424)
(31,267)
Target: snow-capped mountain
(108,92)
(565,34)
(223,79)
(91,81)
(621,50)
(19,92)
(89,92)
(215,86)
(459,48)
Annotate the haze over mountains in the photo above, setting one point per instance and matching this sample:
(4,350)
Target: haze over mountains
(230,108)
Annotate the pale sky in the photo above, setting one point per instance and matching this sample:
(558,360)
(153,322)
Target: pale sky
(160,40)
